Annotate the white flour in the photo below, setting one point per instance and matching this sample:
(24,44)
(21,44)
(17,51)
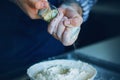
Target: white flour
(63,70)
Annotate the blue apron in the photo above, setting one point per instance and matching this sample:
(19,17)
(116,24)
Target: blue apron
(23,42)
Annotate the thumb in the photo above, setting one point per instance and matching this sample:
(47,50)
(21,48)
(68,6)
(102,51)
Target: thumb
(73,22)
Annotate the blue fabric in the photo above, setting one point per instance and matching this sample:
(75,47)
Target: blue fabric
(23,41)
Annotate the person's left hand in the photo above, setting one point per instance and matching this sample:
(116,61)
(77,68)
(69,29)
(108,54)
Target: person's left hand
(31,7)
(66,26)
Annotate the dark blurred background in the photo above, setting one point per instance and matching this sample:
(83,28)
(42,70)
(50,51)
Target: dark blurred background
(103,23)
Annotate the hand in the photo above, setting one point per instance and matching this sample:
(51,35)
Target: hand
(31,7)
(66,26)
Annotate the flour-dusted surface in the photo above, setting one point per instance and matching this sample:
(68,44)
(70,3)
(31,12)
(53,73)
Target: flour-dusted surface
(61,70)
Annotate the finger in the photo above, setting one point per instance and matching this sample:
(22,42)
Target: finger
(75,18)
(38,4)
(73,22)
(69,39)
(74,32)
(61,28)
(70,35)
(42,5)
(54,23)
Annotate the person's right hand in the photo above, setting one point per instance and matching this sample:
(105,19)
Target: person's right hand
(31,7)
(66,25)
